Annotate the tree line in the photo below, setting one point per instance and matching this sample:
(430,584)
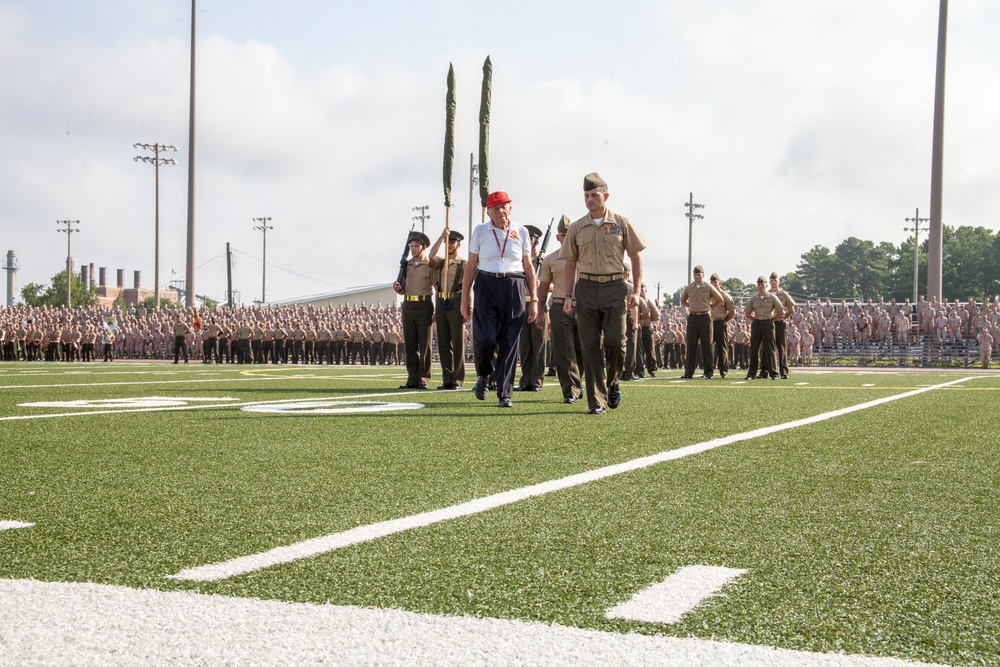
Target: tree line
(858,269)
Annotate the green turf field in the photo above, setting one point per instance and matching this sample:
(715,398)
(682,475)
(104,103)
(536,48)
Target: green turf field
(870,532)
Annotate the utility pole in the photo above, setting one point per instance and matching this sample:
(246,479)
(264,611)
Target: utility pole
(263,227)
(156,161)
(68,230)
(229,276)
(916,229)
(423,217)
(691,216)
(473,182)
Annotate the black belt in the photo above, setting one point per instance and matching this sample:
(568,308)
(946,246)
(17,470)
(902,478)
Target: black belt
(611,277)
(416,297)
(699,314)
(502,274)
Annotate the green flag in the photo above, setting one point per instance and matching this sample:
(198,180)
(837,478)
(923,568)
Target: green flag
(449,136)
(484,131)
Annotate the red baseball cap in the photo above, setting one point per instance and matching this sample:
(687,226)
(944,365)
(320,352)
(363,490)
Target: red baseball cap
(497,198)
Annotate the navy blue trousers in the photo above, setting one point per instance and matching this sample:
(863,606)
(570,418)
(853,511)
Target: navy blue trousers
(498,315)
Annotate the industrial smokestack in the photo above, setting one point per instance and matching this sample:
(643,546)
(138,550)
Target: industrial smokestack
(11,266)
(138,275)
(102,276)
(121,278)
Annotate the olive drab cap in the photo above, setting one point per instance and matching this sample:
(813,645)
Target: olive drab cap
(774,275)
(533,232)
(592,181)
(564,223)
(455,236)
(420,237)
(761,280)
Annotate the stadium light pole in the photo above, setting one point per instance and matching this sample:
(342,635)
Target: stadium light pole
(935,240)
(691,216)
(916,229)
(68,229)
(189,286)
(423,217)
(156,161)
(263,227)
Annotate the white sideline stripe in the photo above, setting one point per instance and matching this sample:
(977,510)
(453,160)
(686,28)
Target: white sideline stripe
(11,525)
(136,383)
(326,543)
(213,406)
(681,592)
(94,624)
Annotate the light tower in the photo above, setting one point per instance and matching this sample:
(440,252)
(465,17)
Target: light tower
(263,227)
(68,229)
(916,229)
(156,161)
(691,216)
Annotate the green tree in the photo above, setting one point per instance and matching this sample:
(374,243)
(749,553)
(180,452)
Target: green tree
(150,302)
(36,295)
(816,272)
(738,289)
(966,269)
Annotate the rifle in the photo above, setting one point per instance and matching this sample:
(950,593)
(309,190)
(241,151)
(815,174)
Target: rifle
(401,278)
(545,244)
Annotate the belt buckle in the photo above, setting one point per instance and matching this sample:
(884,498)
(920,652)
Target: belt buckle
(602,279)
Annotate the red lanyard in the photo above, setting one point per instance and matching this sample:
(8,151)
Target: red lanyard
(495,238)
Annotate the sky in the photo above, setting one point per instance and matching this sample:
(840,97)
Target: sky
(794,123)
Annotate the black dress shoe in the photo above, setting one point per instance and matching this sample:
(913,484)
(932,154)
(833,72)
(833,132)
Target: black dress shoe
(784,377)
(480,389)
(408,386)
(506,403)
(520,388)
(532,389)
(614,397)
(749,377)
(723,374)
(445,387)
(570,400)
(456,386)
(687,377)
(596,411)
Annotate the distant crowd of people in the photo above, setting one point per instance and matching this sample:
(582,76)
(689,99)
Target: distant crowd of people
(372,334)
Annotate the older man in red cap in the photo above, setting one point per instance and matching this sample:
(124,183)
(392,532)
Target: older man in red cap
(500,274)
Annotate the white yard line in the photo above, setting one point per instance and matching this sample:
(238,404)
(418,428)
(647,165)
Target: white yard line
(681,592)
(92,624)
(327,543)
(11,525)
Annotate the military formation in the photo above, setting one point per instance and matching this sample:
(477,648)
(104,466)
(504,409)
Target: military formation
(581,314)
(355,334)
